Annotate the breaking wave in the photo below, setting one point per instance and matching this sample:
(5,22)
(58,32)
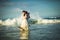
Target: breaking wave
(17,21)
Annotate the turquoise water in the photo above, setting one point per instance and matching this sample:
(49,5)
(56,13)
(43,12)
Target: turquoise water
(36,32)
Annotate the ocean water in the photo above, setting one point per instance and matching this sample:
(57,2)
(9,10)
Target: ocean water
(36,32)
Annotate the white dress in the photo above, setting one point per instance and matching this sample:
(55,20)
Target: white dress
(24,25)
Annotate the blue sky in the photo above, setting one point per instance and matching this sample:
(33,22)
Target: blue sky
(38,8)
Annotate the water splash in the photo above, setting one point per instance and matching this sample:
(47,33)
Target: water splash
(17,21)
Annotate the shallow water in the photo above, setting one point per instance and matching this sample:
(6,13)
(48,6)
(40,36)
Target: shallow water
(36,32)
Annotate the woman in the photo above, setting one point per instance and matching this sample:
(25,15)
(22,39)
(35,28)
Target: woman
(24,25)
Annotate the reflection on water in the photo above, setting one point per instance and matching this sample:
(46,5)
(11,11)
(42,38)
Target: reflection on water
(24,34)
(35,32)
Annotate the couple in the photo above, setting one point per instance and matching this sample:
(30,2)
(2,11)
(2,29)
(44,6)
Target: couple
(24,26)
(24,22)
